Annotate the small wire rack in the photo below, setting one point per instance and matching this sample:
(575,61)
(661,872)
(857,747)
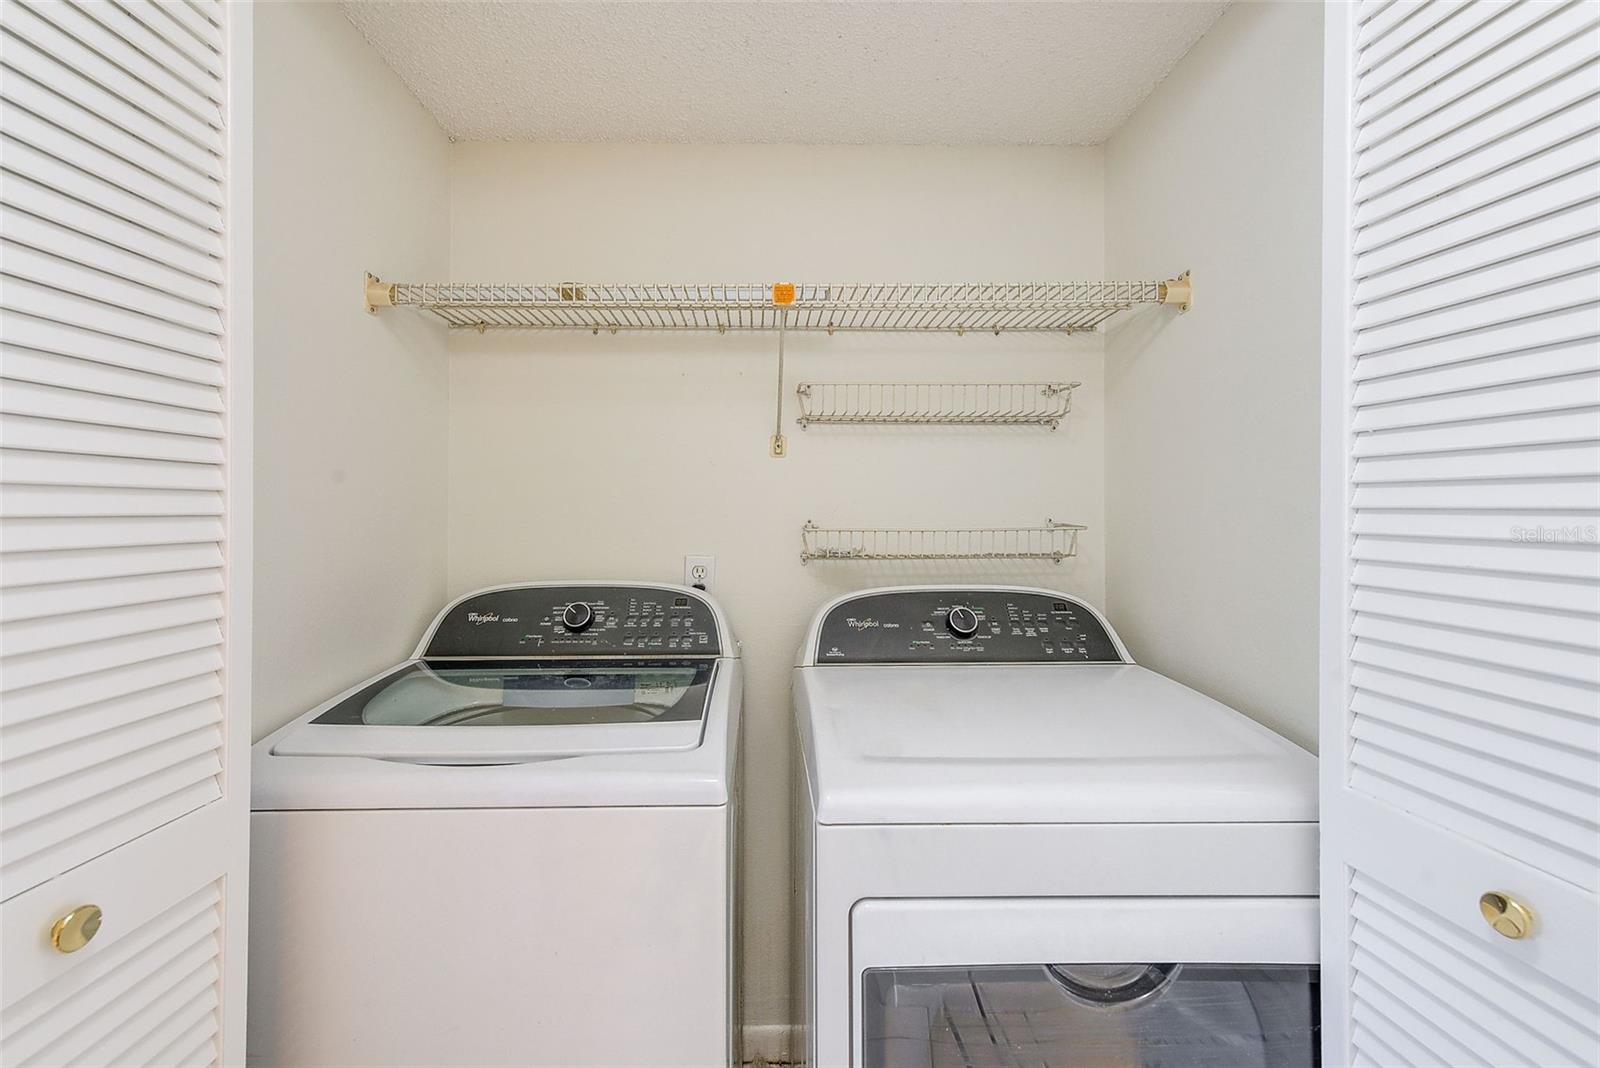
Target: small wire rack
(1053,541)
(935,403)
(1065,307)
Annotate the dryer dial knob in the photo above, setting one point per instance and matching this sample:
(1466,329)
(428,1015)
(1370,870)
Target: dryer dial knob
(962,621)
(577,616)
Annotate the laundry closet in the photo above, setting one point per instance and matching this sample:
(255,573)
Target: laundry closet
(1265,331)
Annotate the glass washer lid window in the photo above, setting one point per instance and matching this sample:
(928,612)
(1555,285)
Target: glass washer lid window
(491,693)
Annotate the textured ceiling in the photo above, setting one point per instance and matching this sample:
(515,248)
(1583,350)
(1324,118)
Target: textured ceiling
(803,71)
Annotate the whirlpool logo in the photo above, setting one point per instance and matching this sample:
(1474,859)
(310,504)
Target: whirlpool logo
(861,624)
(480,618)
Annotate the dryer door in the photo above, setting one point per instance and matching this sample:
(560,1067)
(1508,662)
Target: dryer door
(1197,982)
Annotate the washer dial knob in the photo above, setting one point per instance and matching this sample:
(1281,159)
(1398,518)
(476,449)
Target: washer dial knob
(577,616)
(962,621)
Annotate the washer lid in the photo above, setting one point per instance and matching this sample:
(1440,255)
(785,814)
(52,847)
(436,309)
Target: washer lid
(1069,743)
(445,711)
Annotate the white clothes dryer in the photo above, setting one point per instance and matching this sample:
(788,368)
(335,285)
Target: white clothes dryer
(1016,847)
(514,848)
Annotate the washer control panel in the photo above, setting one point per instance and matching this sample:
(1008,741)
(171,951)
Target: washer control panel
(934,626)
(578,621)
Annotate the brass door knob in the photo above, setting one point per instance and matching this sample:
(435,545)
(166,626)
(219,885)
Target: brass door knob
(1506,914)
(76,929)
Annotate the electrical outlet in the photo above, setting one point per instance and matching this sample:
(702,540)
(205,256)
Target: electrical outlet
(699,571)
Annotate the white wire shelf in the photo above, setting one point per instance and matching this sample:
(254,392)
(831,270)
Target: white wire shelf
(1053,541)
(1062,307)
(1042,404)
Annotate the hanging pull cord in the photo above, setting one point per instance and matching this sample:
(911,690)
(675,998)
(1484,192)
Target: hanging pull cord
(780,447)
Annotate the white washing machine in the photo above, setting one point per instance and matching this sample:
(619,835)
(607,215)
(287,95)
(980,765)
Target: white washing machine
(1016,847)
(515,848)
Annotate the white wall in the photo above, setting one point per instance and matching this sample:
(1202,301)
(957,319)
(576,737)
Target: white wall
(613,456)
(1211,438)
(350,174)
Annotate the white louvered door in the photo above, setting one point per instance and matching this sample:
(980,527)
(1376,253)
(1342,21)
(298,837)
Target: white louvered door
(124,528)
(1461,571)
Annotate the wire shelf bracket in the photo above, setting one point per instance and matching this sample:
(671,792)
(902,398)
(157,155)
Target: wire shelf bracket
(1053,541)
(1043,404)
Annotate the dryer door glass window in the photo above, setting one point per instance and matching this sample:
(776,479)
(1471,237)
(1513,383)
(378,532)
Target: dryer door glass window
(1145,1015)
(448,693)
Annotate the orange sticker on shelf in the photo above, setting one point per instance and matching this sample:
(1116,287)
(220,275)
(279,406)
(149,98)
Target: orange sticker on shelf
(783,292)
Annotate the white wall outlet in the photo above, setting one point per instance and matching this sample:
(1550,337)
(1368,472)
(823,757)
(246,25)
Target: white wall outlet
(699,571)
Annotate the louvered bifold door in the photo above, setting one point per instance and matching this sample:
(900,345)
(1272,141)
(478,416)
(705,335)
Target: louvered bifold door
(124,486)
(1461,570)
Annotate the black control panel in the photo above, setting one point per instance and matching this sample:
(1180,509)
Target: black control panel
(933,626)
(578,621)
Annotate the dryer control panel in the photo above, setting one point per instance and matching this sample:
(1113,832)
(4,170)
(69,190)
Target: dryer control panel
(612,621)
(934,626)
